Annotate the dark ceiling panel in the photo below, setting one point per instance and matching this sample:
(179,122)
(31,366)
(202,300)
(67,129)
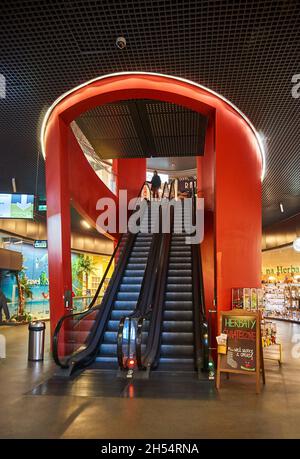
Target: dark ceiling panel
(144,128)
(246,50)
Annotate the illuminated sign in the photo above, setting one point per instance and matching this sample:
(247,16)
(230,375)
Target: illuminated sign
(40,244)
(16,205)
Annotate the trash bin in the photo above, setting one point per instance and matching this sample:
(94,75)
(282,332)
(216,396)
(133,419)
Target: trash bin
(36,341)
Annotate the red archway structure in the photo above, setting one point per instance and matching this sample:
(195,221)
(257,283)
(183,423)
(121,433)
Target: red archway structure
(229,179)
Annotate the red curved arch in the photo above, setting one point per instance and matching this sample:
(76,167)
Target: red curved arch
(229,174)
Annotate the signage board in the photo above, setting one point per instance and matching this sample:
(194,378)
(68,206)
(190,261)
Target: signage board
(244,345)
(16,205)
(40,244)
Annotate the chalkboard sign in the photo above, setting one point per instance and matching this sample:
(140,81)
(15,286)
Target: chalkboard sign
(244,346)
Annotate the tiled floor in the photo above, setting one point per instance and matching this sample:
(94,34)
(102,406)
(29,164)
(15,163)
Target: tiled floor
(35,406)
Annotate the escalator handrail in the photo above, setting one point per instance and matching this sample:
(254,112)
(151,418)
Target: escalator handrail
(199,260)
(140,307)
(82,314)
(166,186)
(199,309)
(155,304)
(154,335)
(144,303)
(146,291)
(101,308)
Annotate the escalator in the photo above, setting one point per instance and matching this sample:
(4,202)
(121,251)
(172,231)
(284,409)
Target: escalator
(89,338)
(173,335)
(152,314)
(177,341)
(126,298)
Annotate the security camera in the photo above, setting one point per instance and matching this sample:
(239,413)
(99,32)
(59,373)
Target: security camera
(121,42)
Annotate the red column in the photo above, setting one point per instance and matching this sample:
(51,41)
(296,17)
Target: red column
(58,219)
(238,207)
(131,173)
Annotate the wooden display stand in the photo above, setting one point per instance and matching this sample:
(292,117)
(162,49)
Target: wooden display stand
(244,353)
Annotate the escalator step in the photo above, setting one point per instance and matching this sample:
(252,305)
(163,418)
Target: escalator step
(176,350)
(124,287)
(132,280)
(124,305)
(141,251)
(179,247)
(185,251)
(178,338)
(179,260)
(178,315)
(135,266)
(113,325)
(127,296)
(108,350)
(117,314)
(138,258)
(178,296)
(177,279)
(179,273)
(134,272)
(110,337)
(172,287)
(178,305)
(180,266)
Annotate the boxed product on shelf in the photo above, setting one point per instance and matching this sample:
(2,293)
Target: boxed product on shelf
(269,333)
(247,298)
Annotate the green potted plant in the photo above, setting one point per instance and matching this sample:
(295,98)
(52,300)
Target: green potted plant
(25,292)
(85,266)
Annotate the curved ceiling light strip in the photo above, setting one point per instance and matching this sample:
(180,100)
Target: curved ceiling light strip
(63,96)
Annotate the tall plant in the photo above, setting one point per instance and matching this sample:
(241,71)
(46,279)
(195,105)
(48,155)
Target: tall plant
(25,292)
(85,266)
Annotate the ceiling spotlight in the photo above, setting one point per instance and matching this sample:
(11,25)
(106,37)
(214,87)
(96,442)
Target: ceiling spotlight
(296,244)
(281,208)
(121,42)
(85,224)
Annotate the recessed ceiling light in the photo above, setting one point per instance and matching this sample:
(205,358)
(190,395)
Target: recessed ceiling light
(281,207)
(296,244)
(85,224)
(121,42)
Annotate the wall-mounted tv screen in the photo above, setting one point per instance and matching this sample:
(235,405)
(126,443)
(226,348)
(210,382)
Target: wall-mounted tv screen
(16,205)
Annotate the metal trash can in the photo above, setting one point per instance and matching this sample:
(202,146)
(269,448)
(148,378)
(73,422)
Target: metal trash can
(36,341)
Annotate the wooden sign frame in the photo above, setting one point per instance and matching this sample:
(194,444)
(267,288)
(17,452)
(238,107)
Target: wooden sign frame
(259,366)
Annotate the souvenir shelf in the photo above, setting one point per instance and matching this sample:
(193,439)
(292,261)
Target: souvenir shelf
(281,301)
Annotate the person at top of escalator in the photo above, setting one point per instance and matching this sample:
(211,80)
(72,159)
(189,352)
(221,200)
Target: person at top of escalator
(155,185)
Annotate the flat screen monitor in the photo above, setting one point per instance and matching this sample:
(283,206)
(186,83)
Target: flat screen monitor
(16,205)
